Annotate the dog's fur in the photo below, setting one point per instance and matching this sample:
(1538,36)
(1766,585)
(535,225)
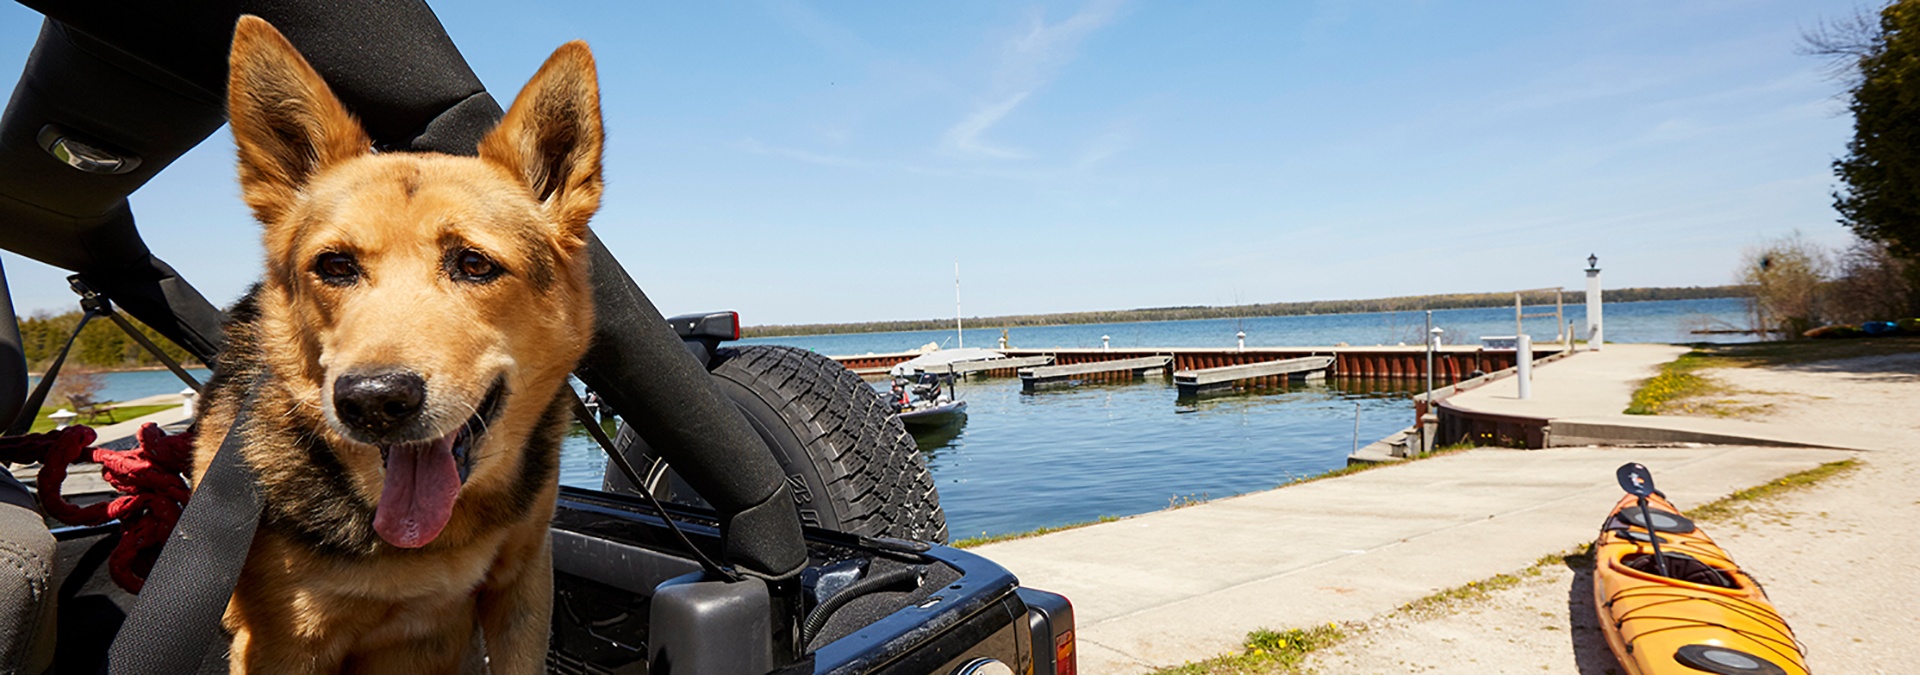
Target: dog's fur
(325,589)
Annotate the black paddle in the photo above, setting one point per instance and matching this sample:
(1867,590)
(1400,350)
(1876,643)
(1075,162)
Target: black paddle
(1637,481)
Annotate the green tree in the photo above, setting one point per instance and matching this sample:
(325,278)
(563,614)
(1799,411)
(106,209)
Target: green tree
(102,344)
(1879,197)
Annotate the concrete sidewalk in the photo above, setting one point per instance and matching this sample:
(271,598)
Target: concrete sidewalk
(1584,397)
(1169,587)
(1582,384)
(1165,588)
(126,428)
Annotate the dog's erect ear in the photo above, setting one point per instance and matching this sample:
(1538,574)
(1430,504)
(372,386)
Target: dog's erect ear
(551,139)
(286,122)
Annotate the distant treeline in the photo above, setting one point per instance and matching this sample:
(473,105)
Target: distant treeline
(102,345)
(1401,304)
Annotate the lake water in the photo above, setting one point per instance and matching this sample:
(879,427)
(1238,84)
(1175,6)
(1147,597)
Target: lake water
(1021,461)
(129,385)
(1661,321)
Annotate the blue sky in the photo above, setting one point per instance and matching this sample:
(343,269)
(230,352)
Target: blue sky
(806,163)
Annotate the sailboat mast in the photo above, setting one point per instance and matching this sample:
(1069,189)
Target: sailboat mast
(956,305)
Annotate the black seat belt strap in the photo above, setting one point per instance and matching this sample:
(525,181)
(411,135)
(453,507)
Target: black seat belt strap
(177,620)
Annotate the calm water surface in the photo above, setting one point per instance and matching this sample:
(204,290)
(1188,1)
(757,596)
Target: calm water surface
(1020,461)
(1663,321)
(129,385)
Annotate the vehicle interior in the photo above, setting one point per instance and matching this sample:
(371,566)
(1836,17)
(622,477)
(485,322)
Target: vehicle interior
(115,91)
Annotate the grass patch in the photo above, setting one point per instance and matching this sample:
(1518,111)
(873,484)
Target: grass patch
(121,414)
(1184,501)
(1266,651)
(1351,469)
(1678,382)
(1738,502)
(1796,352)
(985,538)
(1580,557)
(1679,388)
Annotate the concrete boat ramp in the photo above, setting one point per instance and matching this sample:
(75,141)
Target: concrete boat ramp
(1170,587)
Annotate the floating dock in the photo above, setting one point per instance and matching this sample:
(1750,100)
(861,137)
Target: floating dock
(1046,376)
(1451,363)
(990,365)
(1229,378)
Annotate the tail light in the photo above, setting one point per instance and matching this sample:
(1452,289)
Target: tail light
(1064,662)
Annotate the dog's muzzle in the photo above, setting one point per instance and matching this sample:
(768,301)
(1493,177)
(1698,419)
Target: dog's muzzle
(423,478)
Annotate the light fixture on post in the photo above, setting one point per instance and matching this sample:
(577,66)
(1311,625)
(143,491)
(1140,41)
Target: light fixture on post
(1594,333)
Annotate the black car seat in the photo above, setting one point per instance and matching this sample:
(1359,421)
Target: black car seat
(26,582)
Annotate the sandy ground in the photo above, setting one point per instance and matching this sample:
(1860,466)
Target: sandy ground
(1841,560)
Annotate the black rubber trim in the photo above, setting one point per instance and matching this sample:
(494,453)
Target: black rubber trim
(1663,521)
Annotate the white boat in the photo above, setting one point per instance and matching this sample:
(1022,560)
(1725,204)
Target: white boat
(933,414)
(937,361)
(922,399)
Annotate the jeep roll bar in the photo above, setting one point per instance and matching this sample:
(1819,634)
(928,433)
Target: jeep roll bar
(145,78)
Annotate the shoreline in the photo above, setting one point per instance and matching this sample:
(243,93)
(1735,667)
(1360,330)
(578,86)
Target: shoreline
(1065,318)
(132,369)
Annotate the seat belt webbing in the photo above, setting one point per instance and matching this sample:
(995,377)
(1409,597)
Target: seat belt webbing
(177,621)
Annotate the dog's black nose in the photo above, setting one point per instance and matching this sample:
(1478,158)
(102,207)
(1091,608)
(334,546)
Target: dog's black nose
(380,402)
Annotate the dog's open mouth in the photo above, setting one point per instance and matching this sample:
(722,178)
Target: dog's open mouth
(424,477)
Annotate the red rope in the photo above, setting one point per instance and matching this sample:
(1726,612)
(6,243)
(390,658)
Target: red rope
(150,480)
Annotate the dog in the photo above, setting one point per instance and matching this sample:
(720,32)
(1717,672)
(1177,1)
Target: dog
(403,367)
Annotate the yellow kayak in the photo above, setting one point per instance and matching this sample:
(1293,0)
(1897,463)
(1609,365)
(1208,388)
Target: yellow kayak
(1704,616)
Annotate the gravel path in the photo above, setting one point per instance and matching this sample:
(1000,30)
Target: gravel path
(1841,560)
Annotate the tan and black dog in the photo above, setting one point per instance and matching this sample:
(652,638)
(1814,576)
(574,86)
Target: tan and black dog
(405,358)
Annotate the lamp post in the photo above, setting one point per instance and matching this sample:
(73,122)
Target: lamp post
(1594,333)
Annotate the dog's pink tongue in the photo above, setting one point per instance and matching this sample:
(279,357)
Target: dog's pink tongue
(417,500)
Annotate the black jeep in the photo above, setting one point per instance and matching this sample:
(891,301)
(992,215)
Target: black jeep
(778,463)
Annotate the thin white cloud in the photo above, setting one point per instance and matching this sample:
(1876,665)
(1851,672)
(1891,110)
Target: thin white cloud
(965,138)
(829,36)
(1113,141)
(754,146)
(1029,60)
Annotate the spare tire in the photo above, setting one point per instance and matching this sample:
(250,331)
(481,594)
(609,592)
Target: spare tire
(850,464)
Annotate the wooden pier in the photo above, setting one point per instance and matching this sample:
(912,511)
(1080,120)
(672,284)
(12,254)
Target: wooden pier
(1046,376)
(1228,378)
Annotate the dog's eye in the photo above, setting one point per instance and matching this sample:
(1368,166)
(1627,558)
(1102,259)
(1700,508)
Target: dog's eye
(338,269)
(471,265)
